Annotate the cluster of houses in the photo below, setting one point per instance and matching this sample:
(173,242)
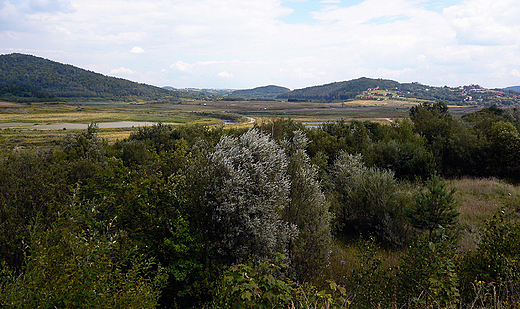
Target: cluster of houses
(469,94)
(374,94)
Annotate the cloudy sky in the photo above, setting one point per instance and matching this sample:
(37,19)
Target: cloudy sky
(292,43)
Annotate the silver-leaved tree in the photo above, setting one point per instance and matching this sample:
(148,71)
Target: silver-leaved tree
(247,190)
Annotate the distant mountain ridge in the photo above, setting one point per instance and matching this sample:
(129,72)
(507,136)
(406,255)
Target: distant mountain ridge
(264,92)
(27,78)
(514,88)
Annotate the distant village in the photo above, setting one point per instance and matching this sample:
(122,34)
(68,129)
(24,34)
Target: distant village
(469,94)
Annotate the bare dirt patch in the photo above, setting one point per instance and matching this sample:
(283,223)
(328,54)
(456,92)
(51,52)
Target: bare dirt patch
(10,104)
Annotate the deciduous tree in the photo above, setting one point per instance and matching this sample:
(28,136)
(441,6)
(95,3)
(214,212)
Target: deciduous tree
(247,190)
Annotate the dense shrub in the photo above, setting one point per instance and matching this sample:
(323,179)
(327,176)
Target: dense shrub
(491,274)
(427,277)
(368,200)
(254,285)
(308,209)
(32,186)
(198,200)
(67,267)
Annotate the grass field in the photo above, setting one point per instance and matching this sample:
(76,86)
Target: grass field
(188,112)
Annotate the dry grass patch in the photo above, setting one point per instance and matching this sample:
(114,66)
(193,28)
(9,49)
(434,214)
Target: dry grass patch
(345,258)
(479,199)
(387,102)
(10,104)
(113,136)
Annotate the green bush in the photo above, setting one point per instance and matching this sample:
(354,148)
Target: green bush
(493,269)
(32,185)
(407,159)
(70,268)
(308,209)
(427,277)
(254,285)
(368,200)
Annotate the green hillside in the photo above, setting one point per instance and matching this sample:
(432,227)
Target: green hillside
(265,92)
(381,89)
(339,90)
(26,78)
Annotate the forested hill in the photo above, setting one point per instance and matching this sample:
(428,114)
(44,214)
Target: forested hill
(26,78)
(339,90)
(380,89)
(265,92)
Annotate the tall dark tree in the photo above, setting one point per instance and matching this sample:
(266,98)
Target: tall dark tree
(432,120)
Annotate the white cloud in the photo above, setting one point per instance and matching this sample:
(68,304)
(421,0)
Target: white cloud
(182,66)
(225,74)
(121,70)
(485,22)
(137,50)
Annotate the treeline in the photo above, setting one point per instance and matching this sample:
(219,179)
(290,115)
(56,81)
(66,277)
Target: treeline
(192,216)
(25,78)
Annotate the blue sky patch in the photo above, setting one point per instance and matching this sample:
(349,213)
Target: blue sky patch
(302,13)
(386,20)
(438,5)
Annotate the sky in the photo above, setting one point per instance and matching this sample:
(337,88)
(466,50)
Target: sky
(242,44)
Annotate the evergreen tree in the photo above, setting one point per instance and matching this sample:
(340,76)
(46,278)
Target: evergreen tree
(433,208)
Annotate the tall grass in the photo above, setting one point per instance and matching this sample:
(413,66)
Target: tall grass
(479,199)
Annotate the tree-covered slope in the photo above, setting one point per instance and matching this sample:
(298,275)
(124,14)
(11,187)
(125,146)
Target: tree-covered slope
(265,92)
(367,88)
(26,78)
(338,90)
